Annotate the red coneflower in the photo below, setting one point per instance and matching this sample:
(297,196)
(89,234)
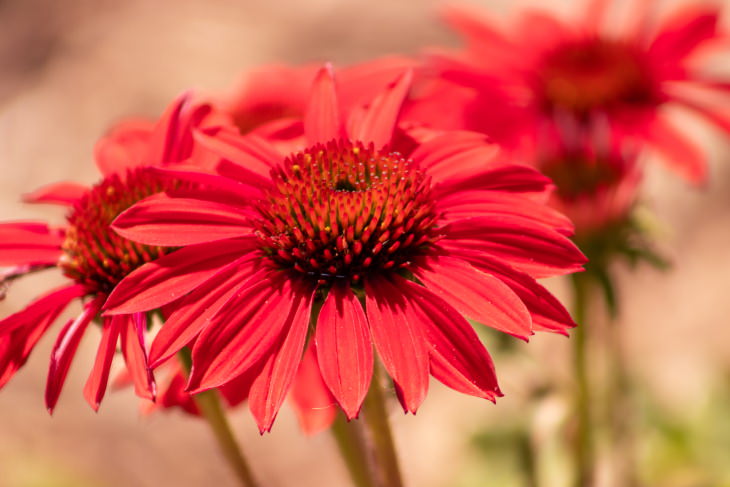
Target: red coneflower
(545,73)
(91,255)
(368,245)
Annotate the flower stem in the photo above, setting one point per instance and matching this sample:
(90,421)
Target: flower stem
(376,419)
(211,408)
(584,444)
(354,450)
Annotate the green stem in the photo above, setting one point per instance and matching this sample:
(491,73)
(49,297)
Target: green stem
(584,443)
(351,443)
(376,419)
(211,408)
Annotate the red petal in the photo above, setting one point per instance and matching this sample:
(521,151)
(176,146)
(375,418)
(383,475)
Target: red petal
(491,203)
(375,122)
(96,383)
(126,146)
(546,311)
(684,33)
(344,348)
(458,358)
(271,386)
(64,350)
(532,249)
(455,154)
(510,178)
(194,312)
(135,355)
(44,309)
(479,296)
(250,153)
(29,243)
(209,186)
(678,151)
(358,84)
(322,117)
(61,193)
(173,222)
(314,405)
(399,339)
(174,275)
(245,330)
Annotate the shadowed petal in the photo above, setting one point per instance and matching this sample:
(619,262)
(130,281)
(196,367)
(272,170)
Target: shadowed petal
(399,339)
(344,349)
(64,350)
(314,405)
(135,355)
(99,377)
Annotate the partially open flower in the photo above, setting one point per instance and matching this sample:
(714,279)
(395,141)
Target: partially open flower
(526,84)
(352,244)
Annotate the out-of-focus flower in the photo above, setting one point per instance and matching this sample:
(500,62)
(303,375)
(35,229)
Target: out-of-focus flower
(523,85)
(354,244)
(92,256)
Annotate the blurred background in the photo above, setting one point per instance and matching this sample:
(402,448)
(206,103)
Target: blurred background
(70,69)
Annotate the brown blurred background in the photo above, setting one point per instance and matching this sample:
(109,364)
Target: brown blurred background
(69,69)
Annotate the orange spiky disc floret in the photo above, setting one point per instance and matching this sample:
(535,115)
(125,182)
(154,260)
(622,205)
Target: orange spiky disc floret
(95,255)
(343,210)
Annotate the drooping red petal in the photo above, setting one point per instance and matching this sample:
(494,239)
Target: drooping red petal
(98,379)
(314,405)
(532,249)
(457,356)
(43,310)
(29,243)
(678,151)
(375,122)
(399,339)
(548,314)
(194,312)
(344,348)
(135,354)
(65,193)
(245,330)
(173,222)
(270,387)
(174,275)
(477,295)
(64,350)
(322,117)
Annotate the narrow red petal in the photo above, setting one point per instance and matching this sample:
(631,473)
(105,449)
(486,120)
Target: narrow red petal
(96,383)
(344,348)
(458,357)
(65,193)
(322,117)
(510,178)
(44,309)
(29,243)
(135,354)
(477,295)
(173,222)
(399,339)
(271,386)
(250,153)
(174,275)
(457,154)
(375,122)
(684,33)
(194,312)
(314,405)
(64,350)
